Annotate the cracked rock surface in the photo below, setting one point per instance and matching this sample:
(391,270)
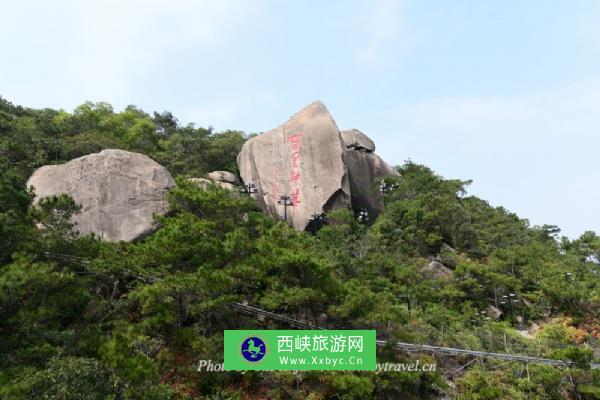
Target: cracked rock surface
(119,191)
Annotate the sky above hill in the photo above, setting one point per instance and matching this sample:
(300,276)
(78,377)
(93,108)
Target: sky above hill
(504,93)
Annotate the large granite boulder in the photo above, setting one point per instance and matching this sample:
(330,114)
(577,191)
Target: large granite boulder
(316,165)
(119,192)
(302,159)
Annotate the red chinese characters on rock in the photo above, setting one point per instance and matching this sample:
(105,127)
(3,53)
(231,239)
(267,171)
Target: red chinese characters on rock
(295,177)
(295,197)
(294,158)
(295,141)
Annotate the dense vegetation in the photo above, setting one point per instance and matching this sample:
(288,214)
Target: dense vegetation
(85,319)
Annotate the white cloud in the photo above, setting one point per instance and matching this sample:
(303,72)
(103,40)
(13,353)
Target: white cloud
(382,25)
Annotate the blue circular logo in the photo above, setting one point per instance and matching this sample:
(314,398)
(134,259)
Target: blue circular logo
(253,349)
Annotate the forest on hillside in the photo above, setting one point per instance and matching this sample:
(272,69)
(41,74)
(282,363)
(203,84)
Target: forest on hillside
(81,318)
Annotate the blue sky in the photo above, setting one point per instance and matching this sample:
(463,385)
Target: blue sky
(504,93)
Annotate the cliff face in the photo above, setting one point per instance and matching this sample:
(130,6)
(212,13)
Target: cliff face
(306,166)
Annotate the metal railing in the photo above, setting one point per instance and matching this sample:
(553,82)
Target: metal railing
(411,347)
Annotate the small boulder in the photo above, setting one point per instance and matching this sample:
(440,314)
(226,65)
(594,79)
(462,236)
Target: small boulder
(447,256)
(224,176)
(493,312)
(534,329)
(224,179)
(202,183)
(436,270)
(356,140)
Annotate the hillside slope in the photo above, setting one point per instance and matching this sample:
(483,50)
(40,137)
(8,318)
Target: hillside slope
(81,318)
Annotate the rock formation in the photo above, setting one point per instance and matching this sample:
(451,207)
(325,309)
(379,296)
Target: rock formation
(493,312)
(436,270)
(364,166)
(119,192)
(224,179)
(301,159)
(356,140)
(202,183)
(447,256)
(307,166)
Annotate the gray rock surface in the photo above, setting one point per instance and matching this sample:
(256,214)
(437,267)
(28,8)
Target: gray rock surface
(493,312)
(356,140)
(363,169)
(119,192)
(217,178)
(224,176)
(318,166)
(436,270)
(302,158)
(225,179)
(447,256)
(201,182)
